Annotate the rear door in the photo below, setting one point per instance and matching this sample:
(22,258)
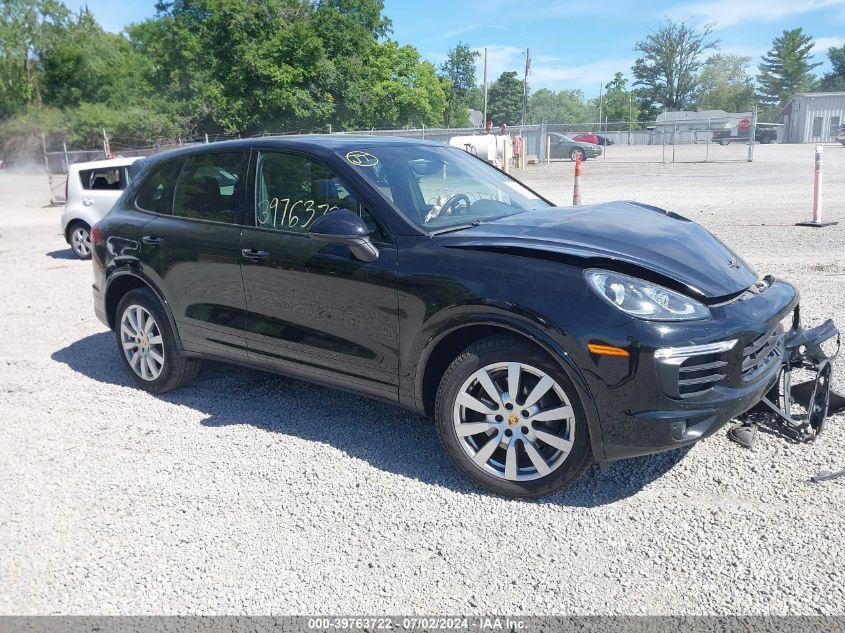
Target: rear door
(102,187)
(192,247)
(312,308)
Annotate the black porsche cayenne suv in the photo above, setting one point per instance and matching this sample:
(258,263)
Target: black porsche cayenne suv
(538,338)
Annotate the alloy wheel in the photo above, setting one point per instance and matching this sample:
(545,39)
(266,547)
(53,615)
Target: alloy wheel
(142,342)
(80,241)
(514,421)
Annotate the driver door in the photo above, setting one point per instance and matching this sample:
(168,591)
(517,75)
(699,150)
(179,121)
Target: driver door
(312,308)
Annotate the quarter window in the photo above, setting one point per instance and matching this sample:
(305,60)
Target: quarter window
(208,186)
(156,192)
(292,191)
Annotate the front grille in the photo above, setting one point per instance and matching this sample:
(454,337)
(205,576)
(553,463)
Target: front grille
(697,374)
(761,352)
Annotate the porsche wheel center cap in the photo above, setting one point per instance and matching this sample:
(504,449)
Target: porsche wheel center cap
(512,419)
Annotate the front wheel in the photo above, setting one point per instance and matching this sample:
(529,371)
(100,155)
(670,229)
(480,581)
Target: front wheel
(147,345)
(575,153)
(511,420)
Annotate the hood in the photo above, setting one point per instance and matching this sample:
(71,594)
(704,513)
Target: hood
(619,235)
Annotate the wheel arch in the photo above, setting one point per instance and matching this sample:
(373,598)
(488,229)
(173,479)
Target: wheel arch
(71,223)
(120,283)
(442,349)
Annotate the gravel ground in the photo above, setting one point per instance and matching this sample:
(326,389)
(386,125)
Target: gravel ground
(248,493)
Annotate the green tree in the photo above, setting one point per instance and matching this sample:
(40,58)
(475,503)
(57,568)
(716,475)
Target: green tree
(667,71)
(26,29)
(786,68)
(86,64)
(459,69)
(566,106)
(403,91)
(618,103)
(726,85)
(835,80)
(504,100)
(475,98)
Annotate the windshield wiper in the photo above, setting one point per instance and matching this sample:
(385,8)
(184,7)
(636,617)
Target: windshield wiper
(458,227)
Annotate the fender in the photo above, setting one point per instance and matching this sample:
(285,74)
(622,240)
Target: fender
(541,338)
(143,278)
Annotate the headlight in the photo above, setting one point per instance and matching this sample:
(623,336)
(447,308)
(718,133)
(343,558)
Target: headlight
(643,299)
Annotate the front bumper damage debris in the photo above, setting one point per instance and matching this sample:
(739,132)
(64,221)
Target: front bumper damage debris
(803,350)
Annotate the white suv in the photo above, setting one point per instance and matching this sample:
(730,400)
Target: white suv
(91,191)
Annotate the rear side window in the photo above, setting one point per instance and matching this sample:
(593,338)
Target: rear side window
(156,192)
(207,189)
(103,179)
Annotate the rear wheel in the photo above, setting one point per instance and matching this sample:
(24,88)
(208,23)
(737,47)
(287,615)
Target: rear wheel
(147,346)
(511,420)
(575,153)
(80,240)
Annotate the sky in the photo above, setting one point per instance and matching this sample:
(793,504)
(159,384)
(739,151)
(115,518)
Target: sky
(574,44)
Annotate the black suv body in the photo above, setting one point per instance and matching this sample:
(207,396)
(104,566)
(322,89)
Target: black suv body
(537,337)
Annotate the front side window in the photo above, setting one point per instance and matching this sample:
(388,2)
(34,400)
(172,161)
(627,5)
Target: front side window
(292,191)
(208,186)
(156,192)
(437,187)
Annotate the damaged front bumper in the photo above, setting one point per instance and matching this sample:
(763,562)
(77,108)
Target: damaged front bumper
(812,349)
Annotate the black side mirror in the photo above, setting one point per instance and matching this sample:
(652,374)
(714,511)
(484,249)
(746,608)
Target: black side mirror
(344,227)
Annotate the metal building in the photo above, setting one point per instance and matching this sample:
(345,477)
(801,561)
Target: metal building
(813,117)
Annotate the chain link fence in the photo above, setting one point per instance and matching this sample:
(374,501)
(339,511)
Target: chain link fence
(689,140)
(670,139)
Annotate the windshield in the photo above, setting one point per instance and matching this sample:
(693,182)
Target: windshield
(565,138)
(438,187)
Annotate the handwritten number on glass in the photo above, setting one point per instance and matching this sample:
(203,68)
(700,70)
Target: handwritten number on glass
(298,215)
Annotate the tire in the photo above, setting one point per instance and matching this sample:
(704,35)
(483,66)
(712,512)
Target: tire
(157,365)
(723,142)
(504,465)
(79,238)
(573,154)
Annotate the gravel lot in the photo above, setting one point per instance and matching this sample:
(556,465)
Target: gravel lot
(248,493)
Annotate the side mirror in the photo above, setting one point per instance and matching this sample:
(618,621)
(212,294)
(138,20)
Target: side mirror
(346,228)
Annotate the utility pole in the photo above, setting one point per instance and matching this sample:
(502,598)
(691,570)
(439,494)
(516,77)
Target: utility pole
(484,123)
(525,88)
(601,86)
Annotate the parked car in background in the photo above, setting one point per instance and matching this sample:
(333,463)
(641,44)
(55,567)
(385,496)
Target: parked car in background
(539,338)
(762,134)
(91,190)
(586,137)
(564,147)
(595,139)
(841,136)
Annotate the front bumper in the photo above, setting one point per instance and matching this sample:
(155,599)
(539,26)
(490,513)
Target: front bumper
(648,404)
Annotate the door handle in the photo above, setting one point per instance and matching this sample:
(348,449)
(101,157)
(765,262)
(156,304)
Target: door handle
(151,240)
(87,201)
(256,256)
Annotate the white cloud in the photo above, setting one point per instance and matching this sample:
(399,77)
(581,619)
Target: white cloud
(548,72)
(749,12)
(823,43)
(448,35)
